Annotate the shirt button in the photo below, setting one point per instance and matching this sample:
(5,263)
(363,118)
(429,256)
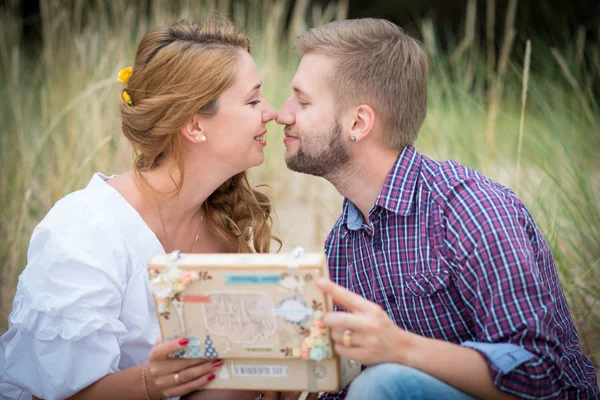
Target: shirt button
(391,298)
(377,243)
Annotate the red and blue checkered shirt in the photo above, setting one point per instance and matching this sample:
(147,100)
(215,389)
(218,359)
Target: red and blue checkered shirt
(455,256)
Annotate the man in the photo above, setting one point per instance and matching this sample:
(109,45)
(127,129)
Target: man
(458,294)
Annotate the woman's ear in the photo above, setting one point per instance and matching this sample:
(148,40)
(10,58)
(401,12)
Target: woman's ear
(362,121)
(193,130)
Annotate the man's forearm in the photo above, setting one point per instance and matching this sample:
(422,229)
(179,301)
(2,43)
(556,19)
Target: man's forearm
(460,367)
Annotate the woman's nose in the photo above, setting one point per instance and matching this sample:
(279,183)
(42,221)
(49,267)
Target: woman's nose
(269,113)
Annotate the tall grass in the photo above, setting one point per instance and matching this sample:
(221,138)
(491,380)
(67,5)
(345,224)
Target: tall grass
(531,121)
(534,127)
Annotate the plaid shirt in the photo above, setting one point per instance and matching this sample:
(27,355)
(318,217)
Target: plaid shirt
(457,257)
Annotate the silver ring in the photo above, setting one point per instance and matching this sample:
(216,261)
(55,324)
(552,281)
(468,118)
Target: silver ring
(177,378)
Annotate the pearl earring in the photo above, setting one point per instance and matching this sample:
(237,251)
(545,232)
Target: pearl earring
(201,138)
(353,138)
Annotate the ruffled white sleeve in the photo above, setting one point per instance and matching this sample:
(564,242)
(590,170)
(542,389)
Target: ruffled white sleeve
(64,330)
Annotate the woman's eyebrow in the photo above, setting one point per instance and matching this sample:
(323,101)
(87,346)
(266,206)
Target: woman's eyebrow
(257,86)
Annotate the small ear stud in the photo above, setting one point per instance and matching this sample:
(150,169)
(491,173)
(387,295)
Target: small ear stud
(201,138)
(353,138)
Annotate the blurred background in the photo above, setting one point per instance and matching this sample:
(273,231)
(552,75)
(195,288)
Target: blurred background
(514,92)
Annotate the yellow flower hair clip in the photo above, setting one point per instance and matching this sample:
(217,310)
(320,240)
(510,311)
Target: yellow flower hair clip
(127,97)
(125,74)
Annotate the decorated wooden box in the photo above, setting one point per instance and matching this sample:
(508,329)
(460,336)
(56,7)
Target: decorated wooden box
(260,313)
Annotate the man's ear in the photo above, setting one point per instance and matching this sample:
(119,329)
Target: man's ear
(194,131)
(361,122)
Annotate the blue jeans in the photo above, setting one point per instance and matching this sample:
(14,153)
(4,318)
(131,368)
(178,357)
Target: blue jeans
(396,381)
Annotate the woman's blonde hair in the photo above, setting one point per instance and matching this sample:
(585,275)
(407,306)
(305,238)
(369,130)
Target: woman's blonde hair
(180,71)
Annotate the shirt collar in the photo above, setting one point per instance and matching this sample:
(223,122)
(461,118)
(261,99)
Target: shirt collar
(398,190)
(397,193)
(138,235)
(353,216)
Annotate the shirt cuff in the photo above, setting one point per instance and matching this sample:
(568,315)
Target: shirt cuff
(505,356)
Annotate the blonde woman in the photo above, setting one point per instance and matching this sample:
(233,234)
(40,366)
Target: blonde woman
(83,323)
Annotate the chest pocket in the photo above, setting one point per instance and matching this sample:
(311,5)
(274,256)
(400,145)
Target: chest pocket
(431,306)
(428,284)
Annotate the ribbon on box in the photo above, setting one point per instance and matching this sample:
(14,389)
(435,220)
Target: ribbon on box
(247,279)
(189,298)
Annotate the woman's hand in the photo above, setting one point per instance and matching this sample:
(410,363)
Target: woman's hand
(168,377)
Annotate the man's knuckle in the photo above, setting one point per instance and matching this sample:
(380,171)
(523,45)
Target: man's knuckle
(372,326)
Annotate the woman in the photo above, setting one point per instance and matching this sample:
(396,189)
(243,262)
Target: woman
(83,321)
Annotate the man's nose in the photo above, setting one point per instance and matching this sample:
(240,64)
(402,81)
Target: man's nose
(285,115)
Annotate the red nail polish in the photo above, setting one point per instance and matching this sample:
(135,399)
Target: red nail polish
(184,341)
(211,377)
(217,363)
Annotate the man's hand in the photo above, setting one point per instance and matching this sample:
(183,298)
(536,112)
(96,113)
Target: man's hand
(374,337)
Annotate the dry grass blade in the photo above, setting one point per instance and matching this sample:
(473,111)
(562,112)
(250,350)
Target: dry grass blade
(81,168)
(342,10)
(467,42)
(298,24)
(19,228)
(495,94)
(565,68)
(490,40)
(571,79)
(580,45)
(491,76)
(92,89)
(428,33)
(509,37)
(330,13)
(522,120)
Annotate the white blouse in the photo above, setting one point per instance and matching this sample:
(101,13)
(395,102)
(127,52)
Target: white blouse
(83,307)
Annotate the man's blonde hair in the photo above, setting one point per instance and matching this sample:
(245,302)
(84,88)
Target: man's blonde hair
(377,64)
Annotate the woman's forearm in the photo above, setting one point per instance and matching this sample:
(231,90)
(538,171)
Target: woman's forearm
(125,384)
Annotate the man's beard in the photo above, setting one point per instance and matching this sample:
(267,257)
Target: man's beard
(320,155)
